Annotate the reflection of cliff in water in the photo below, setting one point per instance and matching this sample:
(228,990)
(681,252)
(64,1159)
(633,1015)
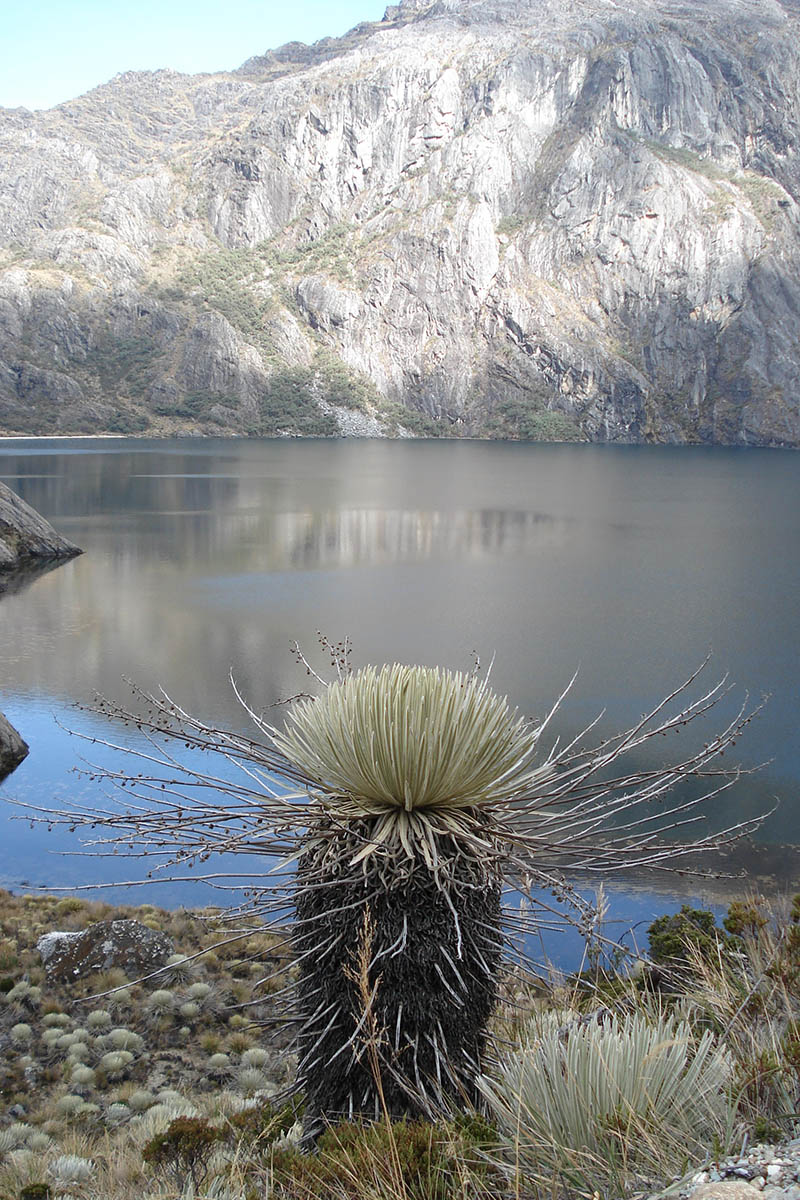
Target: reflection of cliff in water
(250,522)
(743,868)
(149,593)
(247,538)
(367,537)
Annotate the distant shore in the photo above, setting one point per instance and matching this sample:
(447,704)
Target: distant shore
(59,437)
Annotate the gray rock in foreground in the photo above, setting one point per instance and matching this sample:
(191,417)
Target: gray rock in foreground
(25,535)
(134,948)
(12,748)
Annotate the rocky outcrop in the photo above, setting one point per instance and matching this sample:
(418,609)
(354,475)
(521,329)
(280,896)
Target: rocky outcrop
(128,945)
(484,217)
(25,536)
(12,748)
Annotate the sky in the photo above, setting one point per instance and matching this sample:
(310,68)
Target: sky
(55,50)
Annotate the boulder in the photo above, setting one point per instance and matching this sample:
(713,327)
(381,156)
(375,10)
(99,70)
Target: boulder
(25,535)
(12,748)
(727,1189)
(132,947)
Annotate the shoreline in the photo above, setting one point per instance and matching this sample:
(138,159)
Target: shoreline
(64,437)
(189,435)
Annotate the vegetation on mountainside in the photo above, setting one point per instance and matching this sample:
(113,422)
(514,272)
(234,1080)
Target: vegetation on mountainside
(136,383)
(518,419)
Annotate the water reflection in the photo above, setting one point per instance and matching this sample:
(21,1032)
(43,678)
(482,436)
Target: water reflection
(366,537)
(232,522)
(205,556)
(12,582)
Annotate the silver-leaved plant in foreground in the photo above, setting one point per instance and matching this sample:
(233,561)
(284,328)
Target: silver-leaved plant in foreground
(409,809)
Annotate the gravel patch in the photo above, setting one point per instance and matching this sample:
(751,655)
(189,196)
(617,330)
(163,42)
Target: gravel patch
(768,1171)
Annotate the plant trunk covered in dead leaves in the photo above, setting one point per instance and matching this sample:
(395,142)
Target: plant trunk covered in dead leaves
(418,1004)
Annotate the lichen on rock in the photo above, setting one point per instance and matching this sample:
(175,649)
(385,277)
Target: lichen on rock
(129,945)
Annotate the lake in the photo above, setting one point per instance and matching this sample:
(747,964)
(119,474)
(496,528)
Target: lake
(206,557)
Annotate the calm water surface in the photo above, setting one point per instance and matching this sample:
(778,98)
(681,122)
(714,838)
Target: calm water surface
(205,557)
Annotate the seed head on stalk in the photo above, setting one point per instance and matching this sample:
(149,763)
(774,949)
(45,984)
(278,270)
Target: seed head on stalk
(405,800)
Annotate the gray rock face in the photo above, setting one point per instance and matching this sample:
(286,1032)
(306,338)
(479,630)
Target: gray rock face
(134,948)
(12,748)
(25,535)
(515,218)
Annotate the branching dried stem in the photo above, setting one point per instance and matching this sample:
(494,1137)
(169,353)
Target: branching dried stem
(582,817)
(374,1037)
(359,975)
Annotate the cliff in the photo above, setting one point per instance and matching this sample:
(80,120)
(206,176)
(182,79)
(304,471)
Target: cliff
(481,217)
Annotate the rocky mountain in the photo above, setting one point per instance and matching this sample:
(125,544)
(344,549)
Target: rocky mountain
(535,218)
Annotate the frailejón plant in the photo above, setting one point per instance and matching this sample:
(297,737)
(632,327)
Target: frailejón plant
(404,800)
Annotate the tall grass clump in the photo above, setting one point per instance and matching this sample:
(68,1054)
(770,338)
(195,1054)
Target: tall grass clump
(409,1160)
(611,1102)
(406,801)
(749,992)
